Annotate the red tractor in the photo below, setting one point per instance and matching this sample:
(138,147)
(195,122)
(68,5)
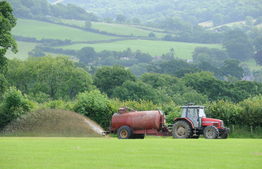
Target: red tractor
(192,123)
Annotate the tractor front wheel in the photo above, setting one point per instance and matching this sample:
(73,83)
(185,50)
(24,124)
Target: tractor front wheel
(211,132)
(181,129)
(124,132)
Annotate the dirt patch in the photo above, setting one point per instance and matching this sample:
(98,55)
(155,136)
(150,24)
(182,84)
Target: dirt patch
(53,123)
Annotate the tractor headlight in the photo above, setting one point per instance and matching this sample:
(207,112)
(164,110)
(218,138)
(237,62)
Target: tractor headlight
(222,123)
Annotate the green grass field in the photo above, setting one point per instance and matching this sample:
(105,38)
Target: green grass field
(151,152)
(119,29)
(39,30)
(182,50)
(24,48)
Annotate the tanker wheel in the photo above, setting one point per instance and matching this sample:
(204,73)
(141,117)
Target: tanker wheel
(211,132)
(224,136)
(181,129)
(124,132)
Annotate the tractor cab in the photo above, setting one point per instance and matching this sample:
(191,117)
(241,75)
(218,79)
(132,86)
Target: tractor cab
(194,113)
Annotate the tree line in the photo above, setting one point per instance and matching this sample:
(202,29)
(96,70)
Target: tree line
(42,9)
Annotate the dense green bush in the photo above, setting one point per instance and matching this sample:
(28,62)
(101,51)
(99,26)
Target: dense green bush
(96,106)
(13,106)
(245,113)
(141,105)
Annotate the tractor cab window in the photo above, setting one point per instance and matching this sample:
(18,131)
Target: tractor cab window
(183,112)
(202,113)
(192,113)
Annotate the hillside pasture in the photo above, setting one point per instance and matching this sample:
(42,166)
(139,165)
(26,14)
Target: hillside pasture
(182,50)
(119,29)
(39,30)
(151,152)
(24,48)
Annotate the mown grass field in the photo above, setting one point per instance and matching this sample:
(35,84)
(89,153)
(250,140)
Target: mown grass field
(182,50)
(39,30)
(24,48)
(39,152)
(119,29)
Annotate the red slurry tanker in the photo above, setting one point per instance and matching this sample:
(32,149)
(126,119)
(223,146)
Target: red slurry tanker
(192,123)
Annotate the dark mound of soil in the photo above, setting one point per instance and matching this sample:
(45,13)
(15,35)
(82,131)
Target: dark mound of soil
(53,123)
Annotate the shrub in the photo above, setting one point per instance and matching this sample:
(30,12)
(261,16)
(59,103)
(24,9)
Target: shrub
(14,105)
(96,106)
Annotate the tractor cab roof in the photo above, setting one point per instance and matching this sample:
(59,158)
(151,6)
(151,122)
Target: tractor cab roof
(191,105)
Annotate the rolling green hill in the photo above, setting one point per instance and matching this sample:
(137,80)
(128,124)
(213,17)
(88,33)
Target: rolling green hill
(24,48)
(182,50)
(119,29)
(39,30)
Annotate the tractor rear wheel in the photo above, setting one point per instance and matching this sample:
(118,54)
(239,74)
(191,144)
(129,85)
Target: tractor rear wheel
(181,129)
(124,132)
(211,132)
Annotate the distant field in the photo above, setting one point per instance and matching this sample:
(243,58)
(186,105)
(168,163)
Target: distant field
(40,152)
(24,48)
(119,29)
(252,65)
(182,50)
(39,30)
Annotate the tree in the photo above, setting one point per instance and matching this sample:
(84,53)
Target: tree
(238,46)
(108,20)
(131,90)
(144,58)
(96,106)
(107,78)
(151,35)
(14,105)
(88,24)
(231,67)
(136,21)
(259,20)
(258,43)
(249,20)
(7,22)
(120,18)
(53,76)
(218,19)
(87,55)
(36,53)
(139,69)
(258,58)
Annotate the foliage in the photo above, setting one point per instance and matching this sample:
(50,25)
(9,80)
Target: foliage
(138,90)
(247,112)
(258,58)
(169,67)
(13,106)
(139,69)
(7,22)
(96,106)
(258,43)
(231,67)
(54,77)
(36,53)
(120,18)
(41,8)
(87,55)
(172,111)
(212,55)
(106,79)
(140,105)
(238,46)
